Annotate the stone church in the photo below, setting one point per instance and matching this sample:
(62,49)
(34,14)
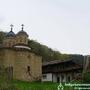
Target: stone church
(17,58)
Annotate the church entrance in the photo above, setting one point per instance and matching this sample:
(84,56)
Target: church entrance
(9,72)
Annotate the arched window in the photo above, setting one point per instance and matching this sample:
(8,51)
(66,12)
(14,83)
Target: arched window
(25,39)
(21,40)
(28,68)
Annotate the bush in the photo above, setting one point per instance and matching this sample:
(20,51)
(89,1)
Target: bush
(5,82)
(86,78)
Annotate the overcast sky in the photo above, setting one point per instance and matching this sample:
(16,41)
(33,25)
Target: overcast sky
(63,25)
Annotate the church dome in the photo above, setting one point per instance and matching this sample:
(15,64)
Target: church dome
(10,34)
(22,33)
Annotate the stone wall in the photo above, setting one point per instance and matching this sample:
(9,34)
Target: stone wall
(26,65)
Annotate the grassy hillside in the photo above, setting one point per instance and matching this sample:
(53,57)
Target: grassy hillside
(46,52)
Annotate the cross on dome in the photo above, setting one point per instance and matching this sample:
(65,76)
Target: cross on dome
(22,26)
(11,26)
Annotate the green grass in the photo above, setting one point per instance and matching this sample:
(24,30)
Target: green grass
(21,85)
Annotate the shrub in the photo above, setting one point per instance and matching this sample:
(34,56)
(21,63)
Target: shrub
(86,78)
(5,82)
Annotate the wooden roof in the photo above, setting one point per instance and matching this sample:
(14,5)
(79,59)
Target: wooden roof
(56,62)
